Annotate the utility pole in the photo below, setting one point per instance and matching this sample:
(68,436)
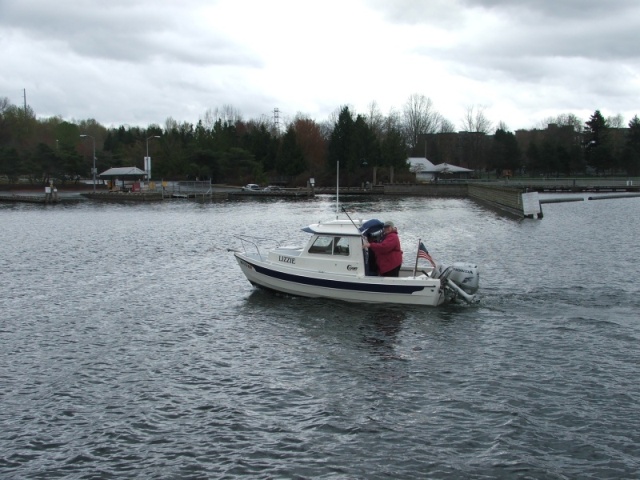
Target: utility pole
(93,170)
(276,119)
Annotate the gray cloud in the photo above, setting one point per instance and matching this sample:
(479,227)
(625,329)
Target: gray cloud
(124,31)
(586,50)
(558,9)
(139,62)
(590,28)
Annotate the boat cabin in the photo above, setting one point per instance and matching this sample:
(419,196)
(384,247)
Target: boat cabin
(334,247)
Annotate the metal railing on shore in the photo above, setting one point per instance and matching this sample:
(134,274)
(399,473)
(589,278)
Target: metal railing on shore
(569,182)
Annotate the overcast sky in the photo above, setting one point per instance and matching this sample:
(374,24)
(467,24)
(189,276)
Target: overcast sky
(138,62)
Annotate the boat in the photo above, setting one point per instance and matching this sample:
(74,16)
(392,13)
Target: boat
(334,265)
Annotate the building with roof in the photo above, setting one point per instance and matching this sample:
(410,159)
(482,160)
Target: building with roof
(426,171)
(129,174)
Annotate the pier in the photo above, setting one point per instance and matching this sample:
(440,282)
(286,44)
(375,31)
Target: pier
(43,199)
(516,197)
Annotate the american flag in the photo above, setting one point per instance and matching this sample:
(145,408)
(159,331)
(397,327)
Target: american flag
(423,253)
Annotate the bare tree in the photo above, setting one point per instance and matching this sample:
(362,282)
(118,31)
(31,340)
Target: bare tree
(502,126)
(4,104)
(567,119)
(170,125)
(476,121)
(374,118)
(562,120)
(616,121)
(474,144)
(420,118)
(393,120)
(227,114)
(447,126)
(328,125)
(333,116)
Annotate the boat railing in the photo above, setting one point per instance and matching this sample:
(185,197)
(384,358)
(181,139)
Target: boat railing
(251,242)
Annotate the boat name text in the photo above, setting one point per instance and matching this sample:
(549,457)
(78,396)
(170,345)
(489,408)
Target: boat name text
(286,259)
(351,268)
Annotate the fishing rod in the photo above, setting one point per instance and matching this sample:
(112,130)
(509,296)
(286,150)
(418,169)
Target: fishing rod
(352,222)
(362,239)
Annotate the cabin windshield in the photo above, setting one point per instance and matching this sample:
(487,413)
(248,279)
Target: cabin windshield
(330,245)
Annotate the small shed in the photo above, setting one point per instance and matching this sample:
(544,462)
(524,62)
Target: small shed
(422,167)
(123,174)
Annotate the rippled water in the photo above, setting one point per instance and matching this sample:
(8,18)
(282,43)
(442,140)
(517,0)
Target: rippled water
(131,346)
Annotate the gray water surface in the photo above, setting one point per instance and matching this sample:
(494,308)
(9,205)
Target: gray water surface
(131,346)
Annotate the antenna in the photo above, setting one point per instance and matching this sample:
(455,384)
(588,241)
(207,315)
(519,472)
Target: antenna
(337,189)
(276,119)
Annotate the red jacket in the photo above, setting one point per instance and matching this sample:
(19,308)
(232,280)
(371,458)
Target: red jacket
(388,252)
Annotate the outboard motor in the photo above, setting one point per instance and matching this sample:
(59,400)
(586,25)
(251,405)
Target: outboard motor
(460,279)
(466,276)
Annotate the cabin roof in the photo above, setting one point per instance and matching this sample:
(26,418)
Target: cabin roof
(343,227)
(335,227)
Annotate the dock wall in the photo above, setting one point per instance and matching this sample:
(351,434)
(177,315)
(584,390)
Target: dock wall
(507,199)
(428,190)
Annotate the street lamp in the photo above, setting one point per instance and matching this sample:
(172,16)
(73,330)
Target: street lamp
(364,164)
(147,159)
(93,170)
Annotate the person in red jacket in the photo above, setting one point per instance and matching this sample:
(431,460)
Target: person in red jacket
(388,252)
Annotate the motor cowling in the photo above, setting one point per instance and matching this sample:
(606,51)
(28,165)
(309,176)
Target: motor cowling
(465,275)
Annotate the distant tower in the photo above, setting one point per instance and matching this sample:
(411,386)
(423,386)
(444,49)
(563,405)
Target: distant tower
(276,119)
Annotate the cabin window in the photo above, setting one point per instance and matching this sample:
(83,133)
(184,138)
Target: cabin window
(322,245)
(330,246)
(342,246)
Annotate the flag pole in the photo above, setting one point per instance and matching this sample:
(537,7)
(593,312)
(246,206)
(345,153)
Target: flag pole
(415,267)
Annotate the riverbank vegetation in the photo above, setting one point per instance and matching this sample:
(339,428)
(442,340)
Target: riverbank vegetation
(225,148)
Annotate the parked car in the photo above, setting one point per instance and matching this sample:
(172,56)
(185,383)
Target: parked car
(251,187)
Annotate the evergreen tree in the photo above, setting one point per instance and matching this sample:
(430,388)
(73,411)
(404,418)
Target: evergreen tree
(11,164)
(258,140)
(533,154)
(506,153)
(364,143)
(393,149)
(341,143)
(290,160)
(632,150)
(598,145)
(47,162)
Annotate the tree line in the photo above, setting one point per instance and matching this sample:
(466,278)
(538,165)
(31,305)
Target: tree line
(560,146)
(225,148)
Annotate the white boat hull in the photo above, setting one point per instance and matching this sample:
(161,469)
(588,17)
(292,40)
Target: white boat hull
(407,290)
